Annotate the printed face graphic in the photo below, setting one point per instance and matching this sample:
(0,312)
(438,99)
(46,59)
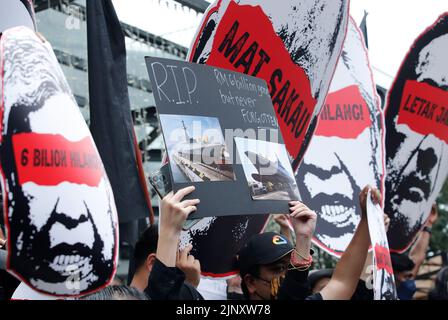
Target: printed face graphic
(218,260)
(62,217)
(331,185)
(417,137)
(293,45)
(345,154)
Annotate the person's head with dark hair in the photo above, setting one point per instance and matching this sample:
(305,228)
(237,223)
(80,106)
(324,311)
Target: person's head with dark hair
(116,293)
(440,289)
(145,256)
(404,277)
(402,266)
(263,262)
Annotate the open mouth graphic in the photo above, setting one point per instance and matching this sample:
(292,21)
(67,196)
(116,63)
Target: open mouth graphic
(68,264)
(340,210)
(66,259)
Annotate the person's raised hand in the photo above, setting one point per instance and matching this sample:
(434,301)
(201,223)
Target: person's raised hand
(282,220)
(303,219)
(433,216)
(376,199)
(175,211)
(189,265)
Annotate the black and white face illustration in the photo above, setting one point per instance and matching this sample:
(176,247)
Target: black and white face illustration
(346,152)
(61,217)
(217,240)
(14,13)
(417,136)
(294,45)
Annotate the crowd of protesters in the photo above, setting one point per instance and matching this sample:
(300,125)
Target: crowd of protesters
(267,269)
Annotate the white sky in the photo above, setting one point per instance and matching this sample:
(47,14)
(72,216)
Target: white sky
(392,25)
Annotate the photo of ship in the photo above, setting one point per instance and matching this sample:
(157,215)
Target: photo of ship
(196,149)
(267,169)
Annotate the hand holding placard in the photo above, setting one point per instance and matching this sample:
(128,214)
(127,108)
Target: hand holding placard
(174,212)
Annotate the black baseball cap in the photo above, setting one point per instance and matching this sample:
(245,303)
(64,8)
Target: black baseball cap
(261,249)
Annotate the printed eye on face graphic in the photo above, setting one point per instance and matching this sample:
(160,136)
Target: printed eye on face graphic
(346,151)
(56,180)
(424,108)
(417,135)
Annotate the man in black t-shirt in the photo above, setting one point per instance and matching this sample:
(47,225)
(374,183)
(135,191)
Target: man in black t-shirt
(272,269)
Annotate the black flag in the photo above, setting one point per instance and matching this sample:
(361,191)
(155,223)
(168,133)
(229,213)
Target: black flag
(363,27)
(110,113)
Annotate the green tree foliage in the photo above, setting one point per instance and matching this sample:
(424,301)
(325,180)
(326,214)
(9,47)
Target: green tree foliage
(439,238)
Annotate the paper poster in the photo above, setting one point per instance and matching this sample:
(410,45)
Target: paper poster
(383,274)
(293,45)
(222,136)
(417,135)
(347,150)
(60,213)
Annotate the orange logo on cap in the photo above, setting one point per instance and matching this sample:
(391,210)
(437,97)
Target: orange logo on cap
(278,240)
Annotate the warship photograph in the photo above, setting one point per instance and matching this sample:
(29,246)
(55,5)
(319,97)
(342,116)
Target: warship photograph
(196,149)
(267,169)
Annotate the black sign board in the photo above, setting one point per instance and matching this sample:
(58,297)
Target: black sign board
(222,136)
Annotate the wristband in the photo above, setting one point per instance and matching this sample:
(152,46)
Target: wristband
(298,264)
(427,229)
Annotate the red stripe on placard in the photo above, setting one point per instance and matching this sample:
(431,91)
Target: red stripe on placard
(345,114)
(49,160)
(382,258)
(424,109)
(255,49)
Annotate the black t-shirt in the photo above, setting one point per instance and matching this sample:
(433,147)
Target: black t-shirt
(316,296)
(362,293)
(167,283)
(295,286)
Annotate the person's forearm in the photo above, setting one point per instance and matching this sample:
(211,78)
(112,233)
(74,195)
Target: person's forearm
(348,270)
(354,257)
(418,251)
(303,246)
(167,248)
